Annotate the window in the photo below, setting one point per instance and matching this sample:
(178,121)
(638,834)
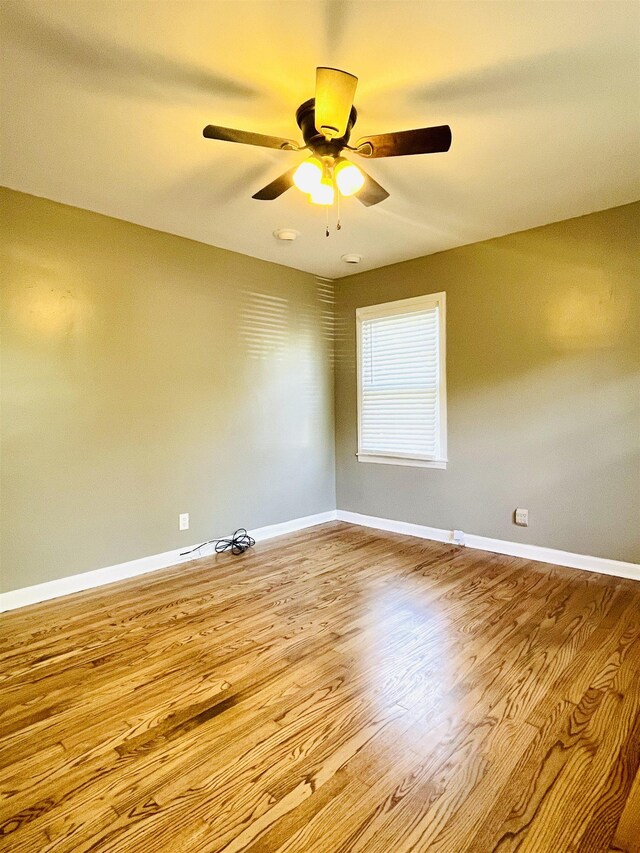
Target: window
(402,405)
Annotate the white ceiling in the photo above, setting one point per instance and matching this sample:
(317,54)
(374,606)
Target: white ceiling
(103,105)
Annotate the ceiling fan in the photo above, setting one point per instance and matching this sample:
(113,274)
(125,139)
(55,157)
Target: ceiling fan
(326,122)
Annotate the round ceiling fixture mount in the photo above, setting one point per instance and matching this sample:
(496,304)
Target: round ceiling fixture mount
(288,235)
(351,258)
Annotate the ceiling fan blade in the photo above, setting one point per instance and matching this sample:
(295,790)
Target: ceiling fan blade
(335,91)
(423,140)
(277,187)
(371,193)
(230,134)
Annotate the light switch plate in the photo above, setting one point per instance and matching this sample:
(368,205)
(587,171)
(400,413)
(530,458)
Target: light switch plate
(521,517)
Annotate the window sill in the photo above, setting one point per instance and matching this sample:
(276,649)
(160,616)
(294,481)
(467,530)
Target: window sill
(402,460)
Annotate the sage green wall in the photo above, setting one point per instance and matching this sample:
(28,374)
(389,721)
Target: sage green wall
(543,358)
(144,375)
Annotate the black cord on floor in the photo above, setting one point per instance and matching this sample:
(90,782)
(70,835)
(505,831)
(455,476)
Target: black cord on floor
(237,544)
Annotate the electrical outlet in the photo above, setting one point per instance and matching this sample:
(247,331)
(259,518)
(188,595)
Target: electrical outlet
(184,521)
(521,517)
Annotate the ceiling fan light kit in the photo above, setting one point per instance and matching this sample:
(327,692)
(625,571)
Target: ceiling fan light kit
(326,122)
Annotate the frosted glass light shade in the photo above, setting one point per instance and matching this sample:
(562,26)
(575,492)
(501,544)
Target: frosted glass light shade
(323,194)
(308,175)
(348,177)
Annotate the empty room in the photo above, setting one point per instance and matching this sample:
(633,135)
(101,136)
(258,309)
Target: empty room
(320,426)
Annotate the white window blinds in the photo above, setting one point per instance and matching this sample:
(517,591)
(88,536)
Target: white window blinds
(401,380)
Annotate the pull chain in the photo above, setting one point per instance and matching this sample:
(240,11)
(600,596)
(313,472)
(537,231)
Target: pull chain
(338,226)
(326,233)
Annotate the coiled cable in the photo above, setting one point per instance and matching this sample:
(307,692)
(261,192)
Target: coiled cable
(237,544)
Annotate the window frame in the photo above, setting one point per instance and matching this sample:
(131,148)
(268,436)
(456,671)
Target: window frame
(389,309)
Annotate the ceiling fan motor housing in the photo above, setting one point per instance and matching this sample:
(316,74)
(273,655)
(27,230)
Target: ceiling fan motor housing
(306,117)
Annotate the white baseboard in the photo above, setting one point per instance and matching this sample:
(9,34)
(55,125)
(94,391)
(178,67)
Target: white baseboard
(602,565)
(391,526)
(262,533)
(99,577)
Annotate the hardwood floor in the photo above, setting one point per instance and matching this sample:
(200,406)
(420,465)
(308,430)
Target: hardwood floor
(339,689)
